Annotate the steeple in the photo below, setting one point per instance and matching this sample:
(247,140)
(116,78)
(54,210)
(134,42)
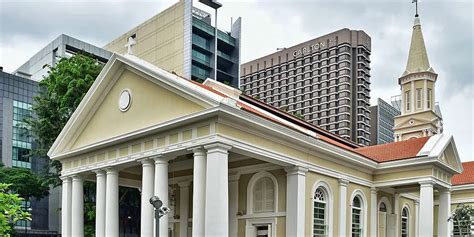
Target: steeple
(418,117)
(417,56)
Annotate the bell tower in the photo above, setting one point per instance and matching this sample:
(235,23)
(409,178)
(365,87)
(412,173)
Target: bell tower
(417,83)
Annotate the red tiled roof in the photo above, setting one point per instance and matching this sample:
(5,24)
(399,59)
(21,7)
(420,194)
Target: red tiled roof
(393,151)
(467,176)
(379,153)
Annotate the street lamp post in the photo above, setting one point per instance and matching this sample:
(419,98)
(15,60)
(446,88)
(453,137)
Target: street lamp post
(160,211)
(213,4)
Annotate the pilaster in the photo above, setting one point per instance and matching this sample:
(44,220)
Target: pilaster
(343,183)
(295,201)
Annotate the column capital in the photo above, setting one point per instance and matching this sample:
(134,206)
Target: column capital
(427,183)
(65,179)
(417,202)
(77,178)
(343,182)
(99,172)
(373,190)
(148,161)
(296,170)
(217,147)
(161,160)
(111,171)
(197,149)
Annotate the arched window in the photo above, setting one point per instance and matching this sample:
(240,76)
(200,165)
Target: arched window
(264,195)
(320,214)
(405,222)
(357,217)
(383,207)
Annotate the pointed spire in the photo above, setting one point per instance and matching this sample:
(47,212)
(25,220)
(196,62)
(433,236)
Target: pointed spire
(417,57)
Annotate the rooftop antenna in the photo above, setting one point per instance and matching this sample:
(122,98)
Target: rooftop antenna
(416,7)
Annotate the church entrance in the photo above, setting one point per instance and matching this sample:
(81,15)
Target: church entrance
(386,220)
(260,228)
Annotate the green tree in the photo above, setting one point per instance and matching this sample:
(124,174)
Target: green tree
(10,209)
(60,94)
(24,182)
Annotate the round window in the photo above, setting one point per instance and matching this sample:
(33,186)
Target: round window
(125,100)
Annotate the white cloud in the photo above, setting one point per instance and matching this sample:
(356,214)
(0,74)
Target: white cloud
(268,25)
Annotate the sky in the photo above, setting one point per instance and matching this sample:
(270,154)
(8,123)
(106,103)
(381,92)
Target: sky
(28,26)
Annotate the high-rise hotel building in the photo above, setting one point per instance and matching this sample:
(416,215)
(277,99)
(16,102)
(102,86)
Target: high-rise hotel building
(325,80)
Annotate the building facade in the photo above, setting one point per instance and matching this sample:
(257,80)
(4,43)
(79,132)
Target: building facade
(63,46)
(381,122)
(419,117)
(230,165)
(16,143)
(325,80)
(180,39)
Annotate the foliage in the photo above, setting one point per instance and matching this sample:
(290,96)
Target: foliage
(61,92)
(462,219)
(299,115)
(11,209)
(24,182)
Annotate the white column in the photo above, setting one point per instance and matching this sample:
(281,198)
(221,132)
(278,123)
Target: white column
(444,211)
(77,207)
(199,192)
(295,201)
(426,209)
(112,203)
(342,206)
(147,216)
(183,208)
(417,216)
(396,211)
(373,212)
(66,207)
(161,190)
(233,204)
(217,191)
(100,203)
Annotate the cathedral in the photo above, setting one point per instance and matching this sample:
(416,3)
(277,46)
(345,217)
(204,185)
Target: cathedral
(226,164)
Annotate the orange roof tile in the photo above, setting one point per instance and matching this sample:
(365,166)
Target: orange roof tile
(393,151)
(379,153)
(467,176)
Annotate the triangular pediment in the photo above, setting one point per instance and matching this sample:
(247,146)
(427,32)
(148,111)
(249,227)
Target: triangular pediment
(408,122)
(129,95)
(443,148)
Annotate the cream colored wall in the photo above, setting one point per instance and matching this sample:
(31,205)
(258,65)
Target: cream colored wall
(160,39)
(270,144)
(403,174)
(311,179)
(151,104)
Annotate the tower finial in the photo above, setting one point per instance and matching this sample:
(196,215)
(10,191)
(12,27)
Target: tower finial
(416,7)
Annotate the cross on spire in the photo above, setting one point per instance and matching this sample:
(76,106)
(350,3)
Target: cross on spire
(416,7)
(131,42)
